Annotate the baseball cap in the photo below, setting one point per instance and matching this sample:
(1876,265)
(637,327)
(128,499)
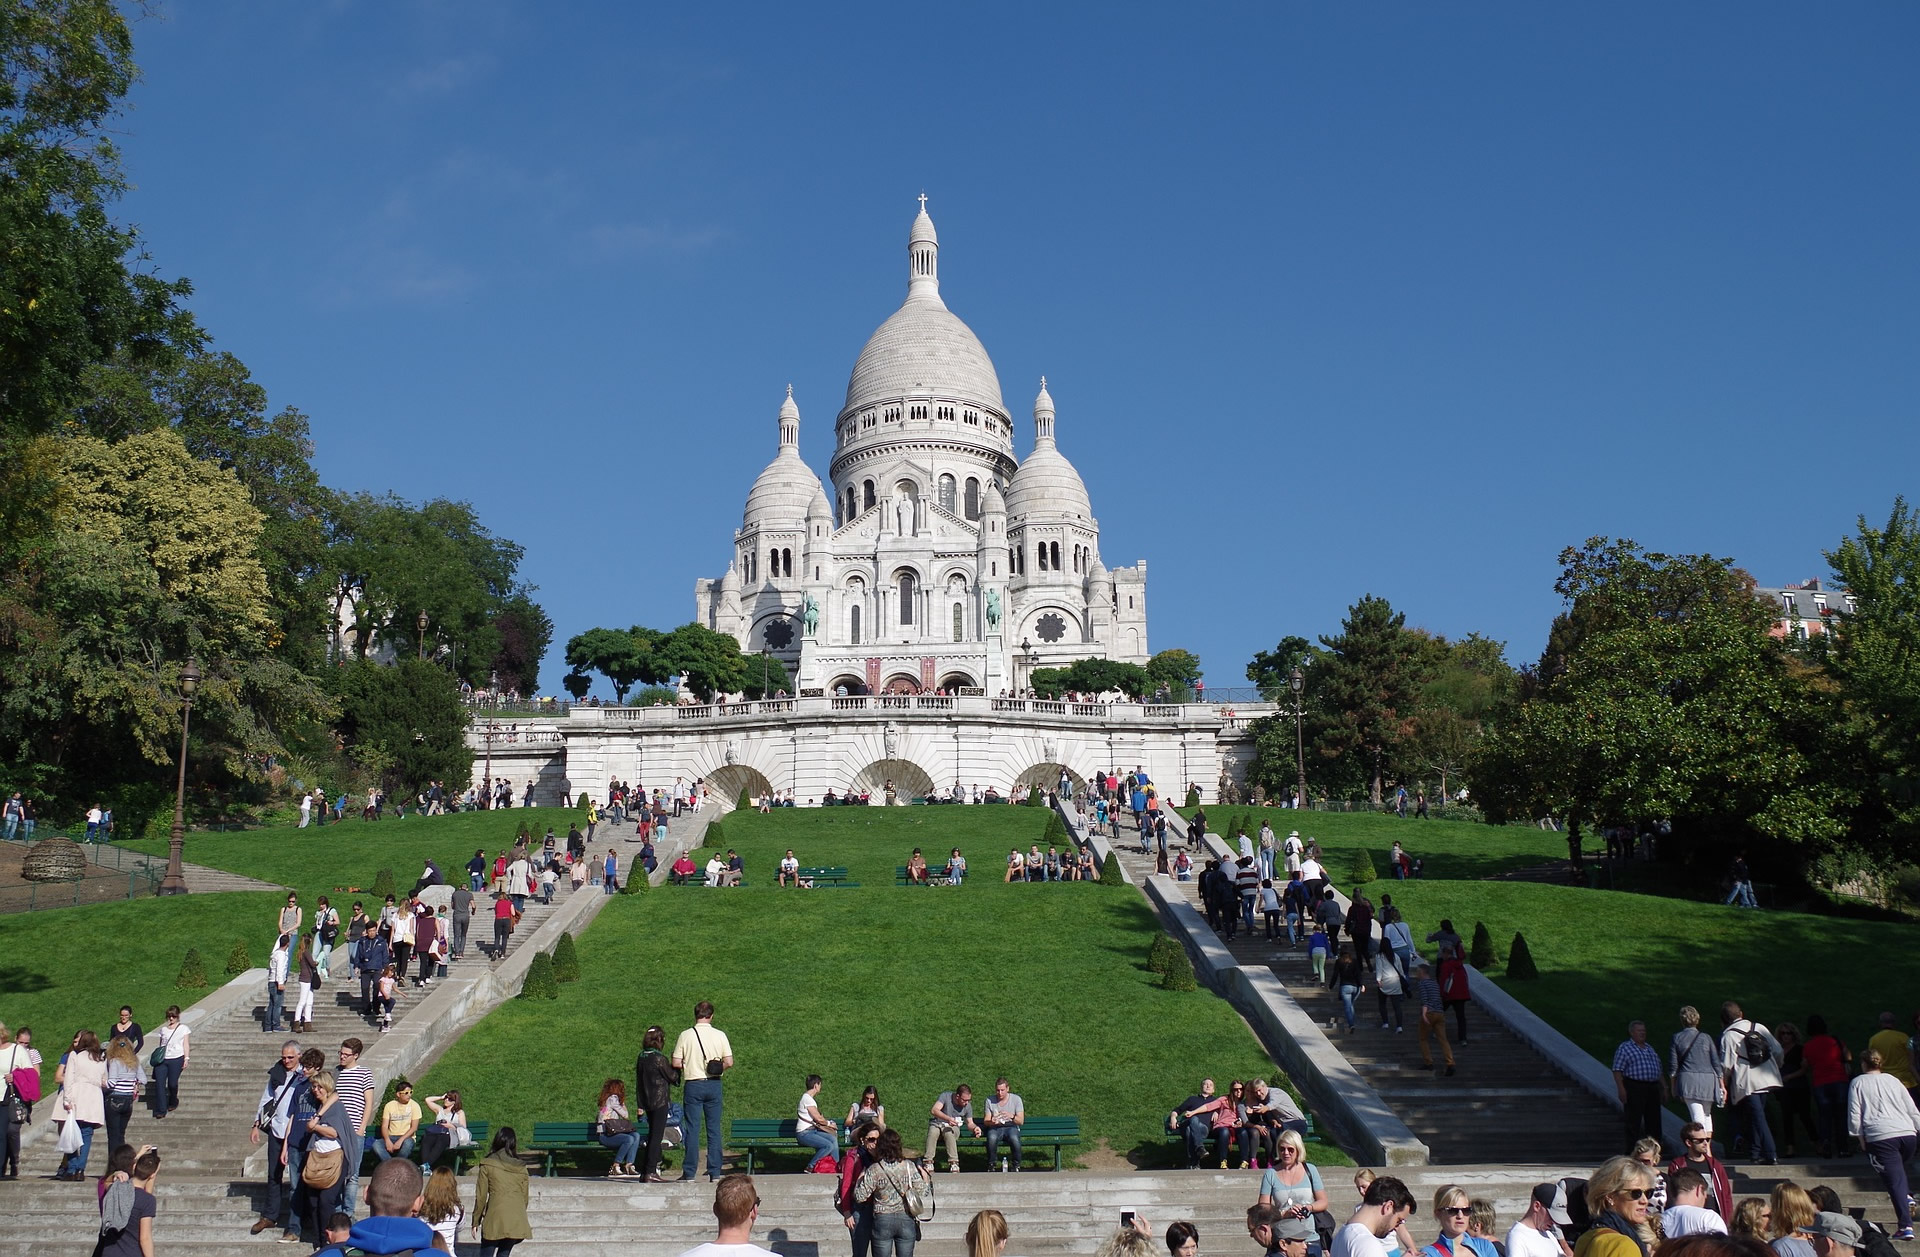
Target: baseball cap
(1553,1197)
(1837,1227)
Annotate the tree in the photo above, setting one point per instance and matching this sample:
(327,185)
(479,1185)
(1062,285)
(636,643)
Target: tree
(1520,966)
(1179,971)
(407,723)
(540,982)
(1480,951)
(1363,870)
(1272,670)
(1177,670)
(1661,696)
(766,676)
(577,684)
(1368,683)
(707,662)
(524,632)
(193,971)
(1091,676)
(616,654)
(566,958)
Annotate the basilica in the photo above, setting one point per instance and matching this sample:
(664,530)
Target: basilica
(934,558)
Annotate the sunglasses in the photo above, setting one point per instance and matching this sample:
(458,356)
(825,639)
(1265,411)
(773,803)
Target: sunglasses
(1458,1211)
(1636,1193)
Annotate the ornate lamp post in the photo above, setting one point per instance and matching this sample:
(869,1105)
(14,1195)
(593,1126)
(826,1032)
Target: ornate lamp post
(1297,682)
(486,774)
(175,882)
(420,638)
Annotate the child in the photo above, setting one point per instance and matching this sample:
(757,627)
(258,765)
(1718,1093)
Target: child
(389,984)
(549,878)
(1317,953)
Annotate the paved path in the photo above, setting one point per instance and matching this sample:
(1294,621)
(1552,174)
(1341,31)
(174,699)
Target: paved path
(1497,1102)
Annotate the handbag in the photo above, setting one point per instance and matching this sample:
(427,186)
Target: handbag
(159,1054)
(617,1126)
(322,1169)
(915,1197)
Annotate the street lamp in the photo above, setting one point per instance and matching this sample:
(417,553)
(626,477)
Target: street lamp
(486,774)
(1297,682)
(175,882)
(766,671)
(420,638)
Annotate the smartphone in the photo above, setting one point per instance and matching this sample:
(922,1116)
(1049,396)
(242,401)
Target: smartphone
(1126,1217)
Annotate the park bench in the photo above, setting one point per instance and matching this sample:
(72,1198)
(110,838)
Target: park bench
(477,1149)
(935,875)
(1179,1139)
(696,879)
(823,876)
(552,1137)
(1056,1133)
(755,1133)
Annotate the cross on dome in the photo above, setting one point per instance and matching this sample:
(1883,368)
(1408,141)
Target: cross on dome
(923,202)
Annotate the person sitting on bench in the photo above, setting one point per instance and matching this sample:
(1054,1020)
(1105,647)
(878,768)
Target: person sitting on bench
(789,869)
(916,869)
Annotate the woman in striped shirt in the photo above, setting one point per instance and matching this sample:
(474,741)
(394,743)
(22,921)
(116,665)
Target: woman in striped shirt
(125,1081)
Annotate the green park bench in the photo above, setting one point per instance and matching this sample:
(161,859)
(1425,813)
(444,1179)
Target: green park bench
(1037,1132)
(552,1137)
(1179,1138)
(900,875)
(754,1133)
(823,876)
(698,879)
(453,1156)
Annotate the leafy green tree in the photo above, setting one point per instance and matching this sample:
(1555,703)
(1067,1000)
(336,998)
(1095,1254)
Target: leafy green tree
(1179,971)
(193,971)
(1177,670)
(540,982)
(239,960)
(1368,685)
(1480,951)
(524,632)
(566,959)
(1091,676)
(410,718)
(708,662)
(577,684)
(1520,965)
(1272,670)
(766,676)
(616,654)
(1363,870)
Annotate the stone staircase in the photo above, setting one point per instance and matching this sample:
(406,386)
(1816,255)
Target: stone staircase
(1493,1105)
(1070,1213)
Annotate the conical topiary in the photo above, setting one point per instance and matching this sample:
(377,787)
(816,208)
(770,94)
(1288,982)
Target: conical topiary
(585,802)
(1160,953)
(1036,797)
(193,971)
(745,802)
(1363,871)
(1179,974)
(382,885)
(716,836)
(239,960)
(1480,954)
(1110,871)
(566,960)
(1056,832)
(1520,959)
(1193,797)
(540,982)
(524,834)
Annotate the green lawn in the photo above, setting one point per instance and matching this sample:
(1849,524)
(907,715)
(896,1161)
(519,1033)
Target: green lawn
(1606,958)
(318,861)
(1448,849)
(912,990)
(71,968)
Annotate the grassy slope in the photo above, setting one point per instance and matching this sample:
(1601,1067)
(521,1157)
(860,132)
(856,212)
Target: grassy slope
(1606,958)
(71,968)
(1449,849)
(910,990)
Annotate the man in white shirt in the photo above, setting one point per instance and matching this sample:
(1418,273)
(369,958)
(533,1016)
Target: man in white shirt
(1537,1233)
(716,870)
(1386,1205)
(277,985)
(736,1204)
(1686,1212)
(703,1054)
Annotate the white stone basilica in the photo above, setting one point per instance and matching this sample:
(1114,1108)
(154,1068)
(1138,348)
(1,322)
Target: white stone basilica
(938,560)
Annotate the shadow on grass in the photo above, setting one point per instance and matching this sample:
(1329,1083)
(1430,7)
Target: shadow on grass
(17,981)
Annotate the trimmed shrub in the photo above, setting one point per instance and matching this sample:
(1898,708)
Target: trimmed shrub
(716,836)
(1193,797)
(1110,871)
(524,834)
(1179,974)
(193,971)
(239,960)
(1159,955)
(1056,832)
(1520,959)
(745,802)
(1480,953)
(382,885)
(585,802)
(540,982)
(1363,871)
(566,960)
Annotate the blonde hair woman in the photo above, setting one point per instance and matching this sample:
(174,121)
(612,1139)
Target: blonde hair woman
(1453,1210)
(1788,1209)
(987,1234)
(1693,1069)
(1749,1218)
(1617,1196)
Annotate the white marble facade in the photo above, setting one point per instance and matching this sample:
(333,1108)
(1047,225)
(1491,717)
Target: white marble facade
(936,552)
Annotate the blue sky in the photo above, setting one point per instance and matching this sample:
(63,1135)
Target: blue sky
(1333,299)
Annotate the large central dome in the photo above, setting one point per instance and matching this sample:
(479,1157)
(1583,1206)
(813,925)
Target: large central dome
(924,347)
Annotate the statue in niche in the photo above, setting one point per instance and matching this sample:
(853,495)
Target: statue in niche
(891,735)
(1051,750)
(730,751)
(993,609)
(810,616)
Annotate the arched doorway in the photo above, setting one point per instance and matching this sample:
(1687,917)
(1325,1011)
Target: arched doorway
(901,683)
(726,783)
(910,781)
(955,681)
(847,686)
(1047,777)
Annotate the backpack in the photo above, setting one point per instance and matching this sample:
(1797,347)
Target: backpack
(1875,1242)
(1753,1047)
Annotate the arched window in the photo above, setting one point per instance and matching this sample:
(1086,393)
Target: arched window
(773,564)
(1040,555)
(852,510)
(786,562)
(946,493)
(906,598)
(959,623)
(853,625)
(1056,556)
(973,497)
(866,496)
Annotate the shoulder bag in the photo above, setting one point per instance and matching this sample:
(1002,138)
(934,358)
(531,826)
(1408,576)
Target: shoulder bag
(916,1198)
(321,1170)
(160,1053)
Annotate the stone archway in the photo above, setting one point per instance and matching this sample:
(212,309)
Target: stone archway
(1047,777)
(901,683)
(910,781)
(953,681)
(725,784)
(855,686)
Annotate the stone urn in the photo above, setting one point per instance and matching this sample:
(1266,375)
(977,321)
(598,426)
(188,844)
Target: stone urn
(54,860)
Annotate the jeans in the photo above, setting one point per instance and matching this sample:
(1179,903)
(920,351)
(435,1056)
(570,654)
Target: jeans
(1830,1103)
(77,1163)
(609,885)
(862,1230)
(1393,1003)
(625,1147)
(823,1144)
(13,824)
(354,1148)
(119,1110)
(1889,1159)
(496,1248)
(894,1235)
(1759,1134)
(405,1153)
(166,1085)
(9,1143)
(1273,926)
(1246,912)
(1642,1111)
(998,1135)
(277,1194)
(296,1157)
(701,1102)
(1197,1131)
(1226,1137)
(458,946)
(276,1008)
(502,930)
(1741,896)
(1347,995)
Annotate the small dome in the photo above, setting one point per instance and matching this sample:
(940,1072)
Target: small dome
(1047,487)
(820,508)
(922,232)
(1098,572)
(730,583)
(991,503)
(783,493)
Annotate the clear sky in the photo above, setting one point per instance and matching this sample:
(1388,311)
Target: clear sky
(1333,299)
